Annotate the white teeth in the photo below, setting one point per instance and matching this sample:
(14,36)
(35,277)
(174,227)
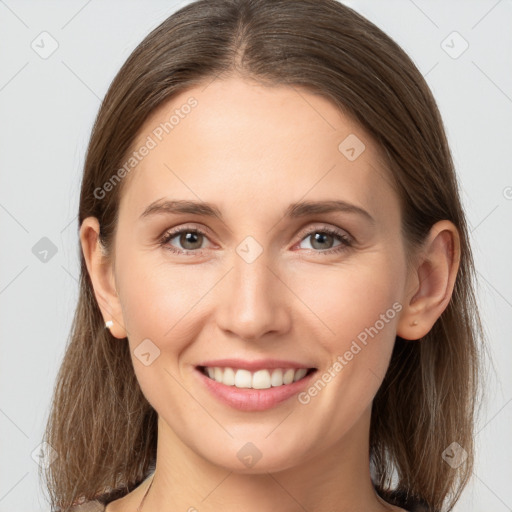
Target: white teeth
(277,377)
(288,376)
(229,377)
(299,374)
(261,379)
(243,379)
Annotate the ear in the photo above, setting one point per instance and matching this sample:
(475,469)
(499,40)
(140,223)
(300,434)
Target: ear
(431,281)
(100,270)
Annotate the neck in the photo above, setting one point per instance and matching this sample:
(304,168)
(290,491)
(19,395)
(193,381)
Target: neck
(336,479)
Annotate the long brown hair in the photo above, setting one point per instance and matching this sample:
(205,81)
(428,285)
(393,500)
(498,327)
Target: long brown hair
(100,424)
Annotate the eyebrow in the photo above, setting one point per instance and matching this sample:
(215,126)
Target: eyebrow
(294,210)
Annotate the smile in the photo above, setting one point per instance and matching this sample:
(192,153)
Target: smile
(259,386)
(260,379)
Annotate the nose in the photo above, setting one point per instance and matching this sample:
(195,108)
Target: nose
(253,300)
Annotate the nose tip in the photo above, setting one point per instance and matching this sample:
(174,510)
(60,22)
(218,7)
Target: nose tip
(251,304)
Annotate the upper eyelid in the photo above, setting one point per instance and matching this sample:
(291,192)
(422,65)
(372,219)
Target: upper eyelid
(309,229)
(178,229)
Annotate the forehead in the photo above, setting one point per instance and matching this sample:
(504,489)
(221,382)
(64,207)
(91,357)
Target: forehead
(237,140)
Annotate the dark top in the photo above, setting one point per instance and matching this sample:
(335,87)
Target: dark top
(98,506)
(90,506)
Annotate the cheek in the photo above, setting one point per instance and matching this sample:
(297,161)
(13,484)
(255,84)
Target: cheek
(158,310)
(358,307)
(348,300)
(159,299)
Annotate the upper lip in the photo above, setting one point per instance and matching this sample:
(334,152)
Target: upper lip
(259,364)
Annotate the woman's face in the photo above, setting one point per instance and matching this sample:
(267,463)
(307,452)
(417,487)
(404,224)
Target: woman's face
(269,281)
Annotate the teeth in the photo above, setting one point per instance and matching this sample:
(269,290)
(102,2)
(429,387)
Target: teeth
(228,377)
(288,376)
(261,379)
(243,378)
(299,374)
(277,378)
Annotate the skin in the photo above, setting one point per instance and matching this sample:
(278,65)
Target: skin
(252,150)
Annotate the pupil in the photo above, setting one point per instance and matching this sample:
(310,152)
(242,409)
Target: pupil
(320,237)
(189,239)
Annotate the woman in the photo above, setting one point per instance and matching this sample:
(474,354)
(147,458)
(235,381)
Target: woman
(276,306)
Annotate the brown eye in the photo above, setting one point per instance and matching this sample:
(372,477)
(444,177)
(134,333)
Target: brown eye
(322,240)
(187,240)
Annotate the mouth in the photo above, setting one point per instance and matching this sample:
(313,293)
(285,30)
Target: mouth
(261,379)
(253,384)
(258,389)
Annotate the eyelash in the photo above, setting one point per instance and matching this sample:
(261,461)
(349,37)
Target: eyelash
(346,242)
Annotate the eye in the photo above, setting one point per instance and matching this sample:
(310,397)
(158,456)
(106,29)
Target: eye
(322,239)
(189,238)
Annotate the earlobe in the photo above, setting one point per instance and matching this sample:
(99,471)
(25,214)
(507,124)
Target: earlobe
(430,285)
(100,271)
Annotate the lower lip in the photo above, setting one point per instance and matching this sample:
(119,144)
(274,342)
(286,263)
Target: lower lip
(248,399)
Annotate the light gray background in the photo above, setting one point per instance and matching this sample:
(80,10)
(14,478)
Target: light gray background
(47,107)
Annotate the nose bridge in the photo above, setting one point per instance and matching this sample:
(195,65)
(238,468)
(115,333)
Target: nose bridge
(252,302)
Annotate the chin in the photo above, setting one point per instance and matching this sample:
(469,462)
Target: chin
(254,457)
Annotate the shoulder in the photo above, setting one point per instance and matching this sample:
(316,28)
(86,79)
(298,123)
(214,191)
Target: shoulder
(417,507)
(403,503)
(89,506)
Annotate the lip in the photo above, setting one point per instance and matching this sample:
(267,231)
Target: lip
(253,366)
(251,400)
